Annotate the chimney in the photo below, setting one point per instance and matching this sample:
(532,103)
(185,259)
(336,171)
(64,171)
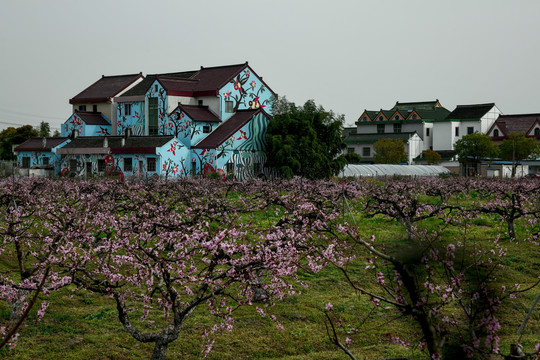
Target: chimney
(105,142)
(44,142)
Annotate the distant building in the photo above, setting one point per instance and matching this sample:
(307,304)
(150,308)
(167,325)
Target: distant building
(411,122)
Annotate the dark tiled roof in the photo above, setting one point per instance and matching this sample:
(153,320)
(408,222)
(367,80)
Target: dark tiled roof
(433,114)
(212,78)
(203,82)
(132,145)
(105,88)
(227,129)
(198,113)
(419,105)
(475,111)
(353,138)
(520,123)
(93,118)
(142,87)
(36,144)
(172,85)
(205,79)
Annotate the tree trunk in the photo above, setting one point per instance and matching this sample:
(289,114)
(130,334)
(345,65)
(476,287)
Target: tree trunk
(511,231)
(160,351)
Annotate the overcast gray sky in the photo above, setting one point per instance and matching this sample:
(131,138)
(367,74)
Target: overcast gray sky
(346,55)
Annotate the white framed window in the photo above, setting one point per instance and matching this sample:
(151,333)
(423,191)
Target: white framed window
(127,109)
(229,106)
(366,151)
(128,164)
(151,164)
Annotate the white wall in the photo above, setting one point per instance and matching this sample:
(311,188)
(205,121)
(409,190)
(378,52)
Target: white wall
(488,119)
(442,134)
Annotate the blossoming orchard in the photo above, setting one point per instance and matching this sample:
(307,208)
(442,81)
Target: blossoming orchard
(436,268)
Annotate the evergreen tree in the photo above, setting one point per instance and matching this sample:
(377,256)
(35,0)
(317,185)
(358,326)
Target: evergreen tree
(306,141)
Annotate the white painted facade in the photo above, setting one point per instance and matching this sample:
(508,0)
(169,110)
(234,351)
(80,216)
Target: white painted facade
(446,133)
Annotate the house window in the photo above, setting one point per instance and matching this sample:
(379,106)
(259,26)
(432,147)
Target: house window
(73,165)
(456,131)
(151,164)
(206,129)
(496,132)
(230,168)
(200,102)
(381,118)
(380,128)
(152,116)
(350,150)
(228,106)
(365,118)
(397,128)
(470,130)
(82,107)
(127,109)
(26,162)
(193,167)
(427,132)
(396,118)
(128,164)
(366,151)
(88,167)
(537,131)
(94,108)
(101,165)
(45,161)
(257,168)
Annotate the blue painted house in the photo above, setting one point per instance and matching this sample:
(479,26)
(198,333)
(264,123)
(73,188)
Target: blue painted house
(40,152)
(87,124)
(213,119)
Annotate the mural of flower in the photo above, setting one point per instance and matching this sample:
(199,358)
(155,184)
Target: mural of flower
(173,149)
(226,94)
(175,169)
(248,73)
(253,84)
(242,135)
(237,85)
(164,166)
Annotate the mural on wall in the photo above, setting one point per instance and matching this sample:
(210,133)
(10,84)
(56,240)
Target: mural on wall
(135,120)
(257,130)
(174,159)
(183,127)
(76,165)
(243,152)
(73,123)
(162,118)
(246,91)
(249,164)
(37,158)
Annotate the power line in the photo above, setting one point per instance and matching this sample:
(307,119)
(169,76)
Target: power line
(29,114)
